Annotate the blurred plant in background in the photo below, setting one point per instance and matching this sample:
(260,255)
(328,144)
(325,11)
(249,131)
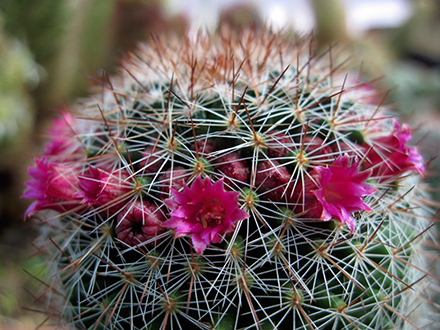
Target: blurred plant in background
(73,40)
(18,73)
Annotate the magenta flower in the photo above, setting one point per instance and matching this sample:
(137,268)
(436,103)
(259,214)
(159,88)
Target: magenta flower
(63,145)
(340,188)
(391,157)
(53,187)
(102,188)
(139,223)
(204,211)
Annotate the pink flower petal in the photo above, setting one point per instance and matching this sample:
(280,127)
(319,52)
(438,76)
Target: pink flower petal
(389,156)
(338,191)
(204,211)
(53,186)
(199,243)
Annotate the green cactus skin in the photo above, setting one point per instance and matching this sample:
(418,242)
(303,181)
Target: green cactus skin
(280,268)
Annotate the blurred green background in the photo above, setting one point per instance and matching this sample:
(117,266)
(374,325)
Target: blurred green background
(52,50)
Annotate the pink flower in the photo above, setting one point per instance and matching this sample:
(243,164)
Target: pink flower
(391,157)
(52,186)
(339,192)
(63,144)
(139,223)
(205,212)
(102,188)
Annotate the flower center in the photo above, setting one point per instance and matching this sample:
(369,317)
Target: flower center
(331,195)
(211,211)
(136,227)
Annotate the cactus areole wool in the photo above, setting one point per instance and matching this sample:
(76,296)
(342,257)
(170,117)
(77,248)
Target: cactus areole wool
(233,182)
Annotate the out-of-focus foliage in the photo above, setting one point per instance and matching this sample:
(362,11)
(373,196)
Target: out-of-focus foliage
(84,50)
(15,283)
(418,38)
(39,23)
(416,69)
(98,34)
(418,87)
(73,40)
(330,21)
(240,16)
(17,72)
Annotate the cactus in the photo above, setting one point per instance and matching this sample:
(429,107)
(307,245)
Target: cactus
(234,182)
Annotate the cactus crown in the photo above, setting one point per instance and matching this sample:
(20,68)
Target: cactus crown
(233,182)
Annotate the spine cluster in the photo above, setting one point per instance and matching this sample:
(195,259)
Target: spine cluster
(233,183)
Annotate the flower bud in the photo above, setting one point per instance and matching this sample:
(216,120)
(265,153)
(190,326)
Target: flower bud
(140,222)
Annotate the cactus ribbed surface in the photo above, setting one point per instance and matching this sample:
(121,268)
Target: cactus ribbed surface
(227,182)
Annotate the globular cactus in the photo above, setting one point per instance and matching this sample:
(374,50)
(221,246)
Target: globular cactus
(227,182)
